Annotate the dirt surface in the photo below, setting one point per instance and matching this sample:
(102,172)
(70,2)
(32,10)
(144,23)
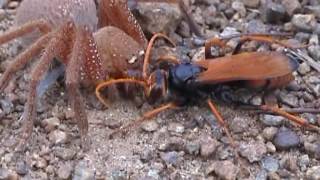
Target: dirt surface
(183,144)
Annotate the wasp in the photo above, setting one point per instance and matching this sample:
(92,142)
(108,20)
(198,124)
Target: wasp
(181,83)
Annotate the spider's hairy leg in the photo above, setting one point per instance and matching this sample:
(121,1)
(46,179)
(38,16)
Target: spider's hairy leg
(53,49)
(29,27)
(22,59)
(72,84)
(117,13)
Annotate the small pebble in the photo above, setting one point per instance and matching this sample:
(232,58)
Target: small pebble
(173,144)
(290,100)
(269,132)
(253,150)
(4,173)
(6,106)
(50,124)
(239,124)
(13,4)
(256,100)
(64,171)
(314,51)
(153,173)
(159,17)
(313,173)
(223,169)
(251,3)
(22,168)
(193,148)
(271,148)
(58,137)
(146,156)
(304,22)
(286,139)
(274,13)
(262,175)
(313,149)
(271,120)
(304,68)
(239,7)
(41,163)
(170,157)
(176,127)
(303,162)
(82,172)
(270,164)
(150,126)
(119,175)
(208,147)
(65,154)
(291,6)
(273,176)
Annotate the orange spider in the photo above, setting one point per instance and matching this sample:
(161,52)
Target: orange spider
(95,40)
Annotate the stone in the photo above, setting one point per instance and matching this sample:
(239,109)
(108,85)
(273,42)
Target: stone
(271,120)
(239,7)
(253,150)
(150,126)
(65,154)
(158,17)
(304,68)
(193,148)
(289,99)
(286,139)
(239,125)
(313,173)
(82,172)
(58,137)
(22,168)
(4,174)
(50,124)
(304,22)
(208,146)
(274,13)
(223,169)
(251,3)
(313,10)
(303,162)
(291,6)
(314,51)
(64,171)
(170,157)
(271,148)
(269,132)
(176,127)
(270,164)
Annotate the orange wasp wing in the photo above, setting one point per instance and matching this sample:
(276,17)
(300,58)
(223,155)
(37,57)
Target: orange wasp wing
(246,66)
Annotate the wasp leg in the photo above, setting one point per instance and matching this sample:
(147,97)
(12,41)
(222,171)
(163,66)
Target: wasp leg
(146,60)
(263,38)
(146,116)
(225,127)
(295,119)
(221,121)
(115,81)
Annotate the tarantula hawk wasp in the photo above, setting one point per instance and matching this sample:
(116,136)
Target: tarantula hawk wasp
(182,82)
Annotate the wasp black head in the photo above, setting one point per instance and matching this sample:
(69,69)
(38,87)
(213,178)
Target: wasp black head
(182,77)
